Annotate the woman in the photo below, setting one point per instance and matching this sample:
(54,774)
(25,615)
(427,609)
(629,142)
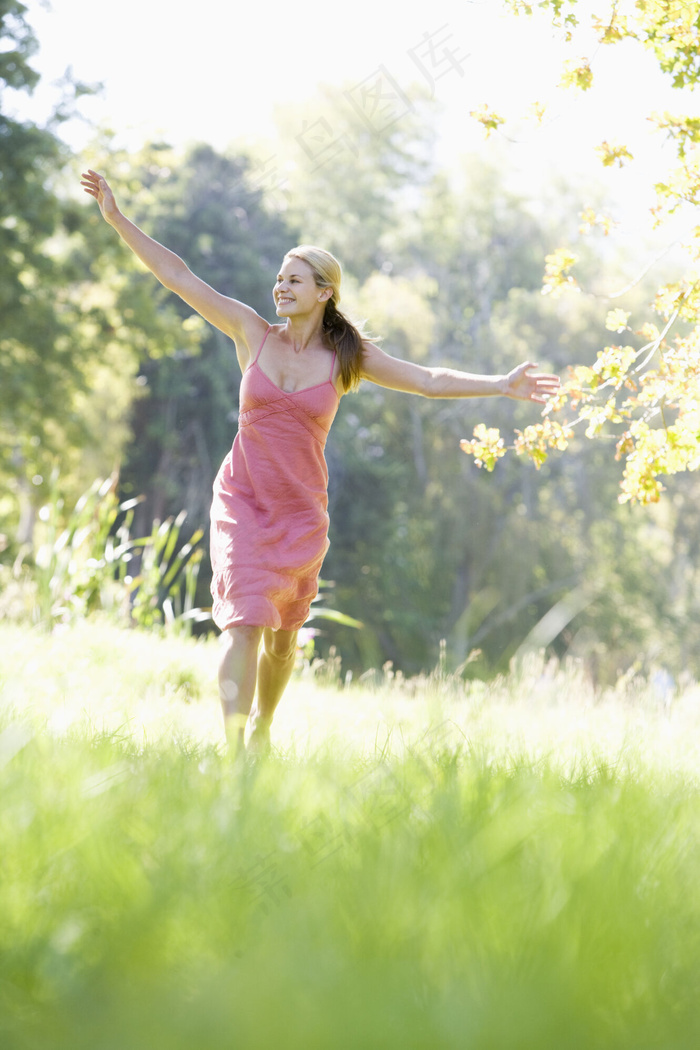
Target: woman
(269,518)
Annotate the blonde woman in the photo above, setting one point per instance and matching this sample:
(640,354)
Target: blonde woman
(269,520)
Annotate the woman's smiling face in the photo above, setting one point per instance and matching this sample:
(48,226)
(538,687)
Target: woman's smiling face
(296,292)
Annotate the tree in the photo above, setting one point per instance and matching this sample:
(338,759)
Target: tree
(37,360)
(423,546)
(67,361)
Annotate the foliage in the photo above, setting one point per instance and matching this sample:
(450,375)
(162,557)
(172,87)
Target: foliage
(79,556)
(83,557)
(163,591)
(324,612)
(42,353)
(490,120)
(439,551)
(68,348)
(37,358)
(649,394)
(487,446)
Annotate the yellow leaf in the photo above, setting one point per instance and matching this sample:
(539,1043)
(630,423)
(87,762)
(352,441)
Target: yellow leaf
(613,154)
(616,321)
(556,275)
(488,118)
(579,75)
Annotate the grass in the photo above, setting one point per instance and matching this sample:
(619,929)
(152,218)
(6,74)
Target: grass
(417,865)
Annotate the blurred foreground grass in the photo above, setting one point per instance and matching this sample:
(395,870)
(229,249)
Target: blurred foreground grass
(418,864)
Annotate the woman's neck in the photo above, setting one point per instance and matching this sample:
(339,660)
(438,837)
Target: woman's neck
(302,332)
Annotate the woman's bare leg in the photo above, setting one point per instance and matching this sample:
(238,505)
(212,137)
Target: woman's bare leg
(237,677)
(275,666)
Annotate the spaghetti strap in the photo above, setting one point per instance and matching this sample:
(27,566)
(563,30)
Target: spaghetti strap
(330,377)
(269,329)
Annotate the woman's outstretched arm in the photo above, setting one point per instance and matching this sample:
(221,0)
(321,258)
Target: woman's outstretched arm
(237,320)
(391,372)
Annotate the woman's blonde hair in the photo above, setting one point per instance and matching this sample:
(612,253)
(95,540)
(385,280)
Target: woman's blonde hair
(341,334)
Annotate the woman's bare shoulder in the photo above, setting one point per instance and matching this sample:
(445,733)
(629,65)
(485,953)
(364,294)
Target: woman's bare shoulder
(249,337)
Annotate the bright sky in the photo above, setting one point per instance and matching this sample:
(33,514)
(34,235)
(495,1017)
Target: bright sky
(214,70)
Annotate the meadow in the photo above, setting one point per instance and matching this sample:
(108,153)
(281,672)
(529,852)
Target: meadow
(420,863)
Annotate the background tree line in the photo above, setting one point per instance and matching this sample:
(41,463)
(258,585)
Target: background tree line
(103,369)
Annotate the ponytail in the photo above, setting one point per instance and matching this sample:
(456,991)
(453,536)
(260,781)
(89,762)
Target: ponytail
(346,340)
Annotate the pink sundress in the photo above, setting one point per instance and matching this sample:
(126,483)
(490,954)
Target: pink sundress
(269,513)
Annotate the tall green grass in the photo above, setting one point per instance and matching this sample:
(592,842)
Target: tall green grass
(417,865)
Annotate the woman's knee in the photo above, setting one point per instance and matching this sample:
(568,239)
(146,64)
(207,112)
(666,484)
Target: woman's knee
(241,640)
(281,645)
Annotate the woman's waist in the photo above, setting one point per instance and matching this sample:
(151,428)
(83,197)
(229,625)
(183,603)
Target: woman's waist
(296,483)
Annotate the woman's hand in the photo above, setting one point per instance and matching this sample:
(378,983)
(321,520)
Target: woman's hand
(524,386)
(98,188)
